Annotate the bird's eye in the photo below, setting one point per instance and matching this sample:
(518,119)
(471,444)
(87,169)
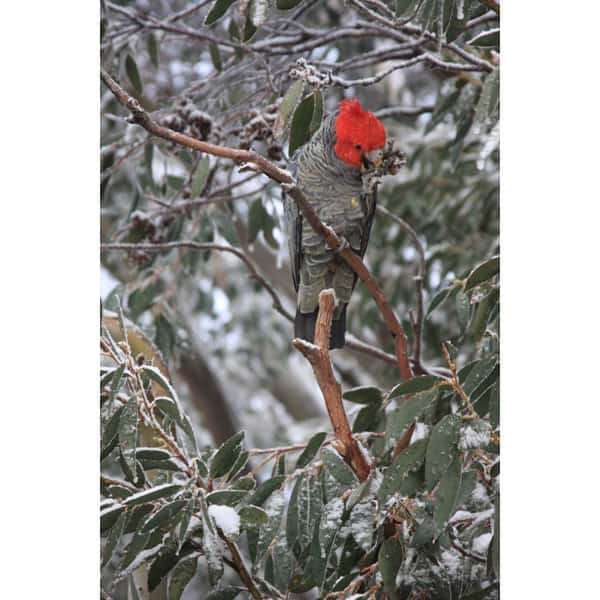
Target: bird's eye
(358,147)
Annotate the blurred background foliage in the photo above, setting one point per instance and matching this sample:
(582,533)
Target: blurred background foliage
(218,71)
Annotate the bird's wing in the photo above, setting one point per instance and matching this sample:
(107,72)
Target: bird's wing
(369,204)
(293,221)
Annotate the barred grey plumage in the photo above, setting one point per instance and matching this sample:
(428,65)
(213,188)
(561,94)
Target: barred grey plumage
(335,190)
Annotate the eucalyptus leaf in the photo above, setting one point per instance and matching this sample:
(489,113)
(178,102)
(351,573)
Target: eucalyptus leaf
(441,449)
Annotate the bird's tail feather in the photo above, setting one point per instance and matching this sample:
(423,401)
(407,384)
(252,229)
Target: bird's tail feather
(304,327)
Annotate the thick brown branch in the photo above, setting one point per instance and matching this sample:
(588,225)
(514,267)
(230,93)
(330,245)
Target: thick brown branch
(318,356)
(141,117)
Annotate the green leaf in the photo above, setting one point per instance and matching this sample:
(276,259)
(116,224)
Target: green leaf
(265,489)
(180,576)
(159,491)
(225,457)
(152,48)
(390,557)
(134,549)
(483,272)
(287,4)
(467,485)
(495,543)
(226,593)
(424,533)
(114,536)
(110,435)
(317,115)
(368,418)
(128,432)
(226,497)
(239,465)
(336,465)
(200,176)
(133,74)
(440,297)
(483,311)
(447,494)
(218,9)
(109,516)
(186,519)
(259,219)
(396,476)
(287,107)
(441,449)
(495,407)
(215,56)
(274,508)
(364,395)
(116,378)
(252,517)
(299,131)
(400,419)
(311,449)
(486,39)
(249,27)
(402,6)
(163,563)
(480,371)
(488,99)
(153,453)
(463,309)
(247,482)
(164,514)
(442,108)
(416,384)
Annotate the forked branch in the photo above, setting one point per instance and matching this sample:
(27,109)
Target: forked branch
(318,356)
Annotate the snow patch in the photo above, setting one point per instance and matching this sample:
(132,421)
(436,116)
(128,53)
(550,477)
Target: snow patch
(481,543)
(421,432)
(225,518)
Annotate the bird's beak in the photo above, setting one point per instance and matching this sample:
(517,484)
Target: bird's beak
(372,159)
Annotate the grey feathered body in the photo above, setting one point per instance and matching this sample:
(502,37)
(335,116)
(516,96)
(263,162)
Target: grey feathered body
(335,190)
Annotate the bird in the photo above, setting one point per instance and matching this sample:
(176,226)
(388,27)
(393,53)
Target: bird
(329,170)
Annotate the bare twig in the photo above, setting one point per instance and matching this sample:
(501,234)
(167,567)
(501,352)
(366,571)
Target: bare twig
(418,321)
(318,356)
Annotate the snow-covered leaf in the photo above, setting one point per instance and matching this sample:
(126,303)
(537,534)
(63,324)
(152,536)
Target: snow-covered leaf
(390,557)
(113,538)
(164,514)
(226,593)
(159,491)
(336,465)
(265,489)
(225,457)
(252,517)
(486,39)
(401,418)
(259,11)
(227,497)
(396,476)
(274,508)
(441,448)
(128,432)
(485,270)
(447,494)
(361,522)
(109,516)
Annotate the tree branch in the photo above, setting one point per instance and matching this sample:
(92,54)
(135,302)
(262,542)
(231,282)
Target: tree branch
(141,117)
(318,356)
